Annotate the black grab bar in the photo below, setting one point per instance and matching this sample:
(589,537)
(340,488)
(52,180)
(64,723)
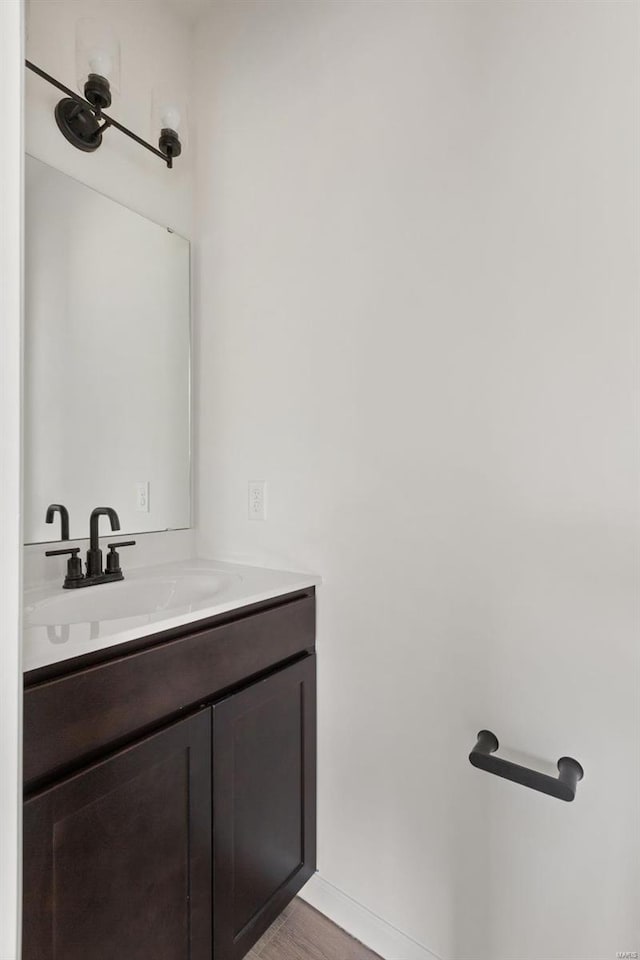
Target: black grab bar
(563,786)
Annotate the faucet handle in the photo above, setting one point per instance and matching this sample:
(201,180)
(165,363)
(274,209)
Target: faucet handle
(113,558)
(74,564)
(59,553)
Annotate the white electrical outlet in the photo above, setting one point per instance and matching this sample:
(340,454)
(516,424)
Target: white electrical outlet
(257,500)
(142,496)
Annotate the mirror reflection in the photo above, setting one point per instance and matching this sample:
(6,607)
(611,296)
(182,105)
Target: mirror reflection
(107,362)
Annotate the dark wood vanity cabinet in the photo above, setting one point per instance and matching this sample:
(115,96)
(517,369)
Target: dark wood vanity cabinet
(264,788)
(186,842)
(117,859)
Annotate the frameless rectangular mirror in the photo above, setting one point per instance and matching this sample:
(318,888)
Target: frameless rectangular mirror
(107,361)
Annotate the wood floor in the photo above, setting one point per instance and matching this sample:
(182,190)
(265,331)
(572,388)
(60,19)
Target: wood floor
(301,933)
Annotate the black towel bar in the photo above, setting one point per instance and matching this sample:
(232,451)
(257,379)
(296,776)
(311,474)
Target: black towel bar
(563,786)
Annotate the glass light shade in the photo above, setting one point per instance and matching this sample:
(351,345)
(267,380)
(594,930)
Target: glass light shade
(168,112)
(98,52)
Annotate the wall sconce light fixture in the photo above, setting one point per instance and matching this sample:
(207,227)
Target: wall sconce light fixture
(168,115)
(82,119)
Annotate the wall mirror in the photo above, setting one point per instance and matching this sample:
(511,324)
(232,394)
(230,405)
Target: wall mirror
(107,361)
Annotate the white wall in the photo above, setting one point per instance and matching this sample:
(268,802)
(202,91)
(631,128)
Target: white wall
(11,166)
(417,302)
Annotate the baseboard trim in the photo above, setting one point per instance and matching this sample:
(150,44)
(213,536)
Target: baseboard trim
(384,939)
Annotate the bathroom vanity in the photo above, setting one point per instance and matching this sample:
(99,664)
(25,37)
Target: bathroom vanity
(169,710)
(169,778)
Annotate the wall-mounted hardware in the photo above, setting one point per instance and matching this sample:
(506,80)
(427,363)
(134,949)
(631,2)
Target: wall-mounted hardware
(60,508)
(563,787)
(169,116)
(94,572)
(142,496)
(257,506)
(82,119)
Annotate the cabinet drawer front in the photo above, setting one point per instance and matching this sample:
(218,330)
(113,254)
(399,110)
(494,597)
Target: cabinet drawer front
(264,801)
(117,859)
(71,719)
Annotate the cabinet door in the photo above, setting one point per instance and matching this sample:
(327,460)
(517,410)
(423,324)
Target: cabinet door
(117,858)
(264,801)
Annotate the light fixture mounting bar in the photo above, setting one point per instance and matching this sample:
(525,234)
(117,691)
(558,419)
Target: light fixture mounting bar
(108,121)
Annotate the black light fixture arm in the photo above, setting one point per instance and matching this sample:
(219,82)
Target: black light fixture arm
(99,115)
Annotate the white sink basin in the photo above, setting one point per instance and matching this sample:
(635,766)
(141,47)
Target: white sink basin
(126,598)
(63,624)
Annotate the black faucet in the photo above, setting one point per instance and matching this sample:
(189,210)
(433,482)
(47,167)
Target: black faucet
(94,553)
(95,573)
(60,508)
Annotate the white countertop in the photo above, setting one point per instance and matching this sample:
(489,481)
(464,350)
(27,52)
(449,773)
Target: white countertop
(233,586)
